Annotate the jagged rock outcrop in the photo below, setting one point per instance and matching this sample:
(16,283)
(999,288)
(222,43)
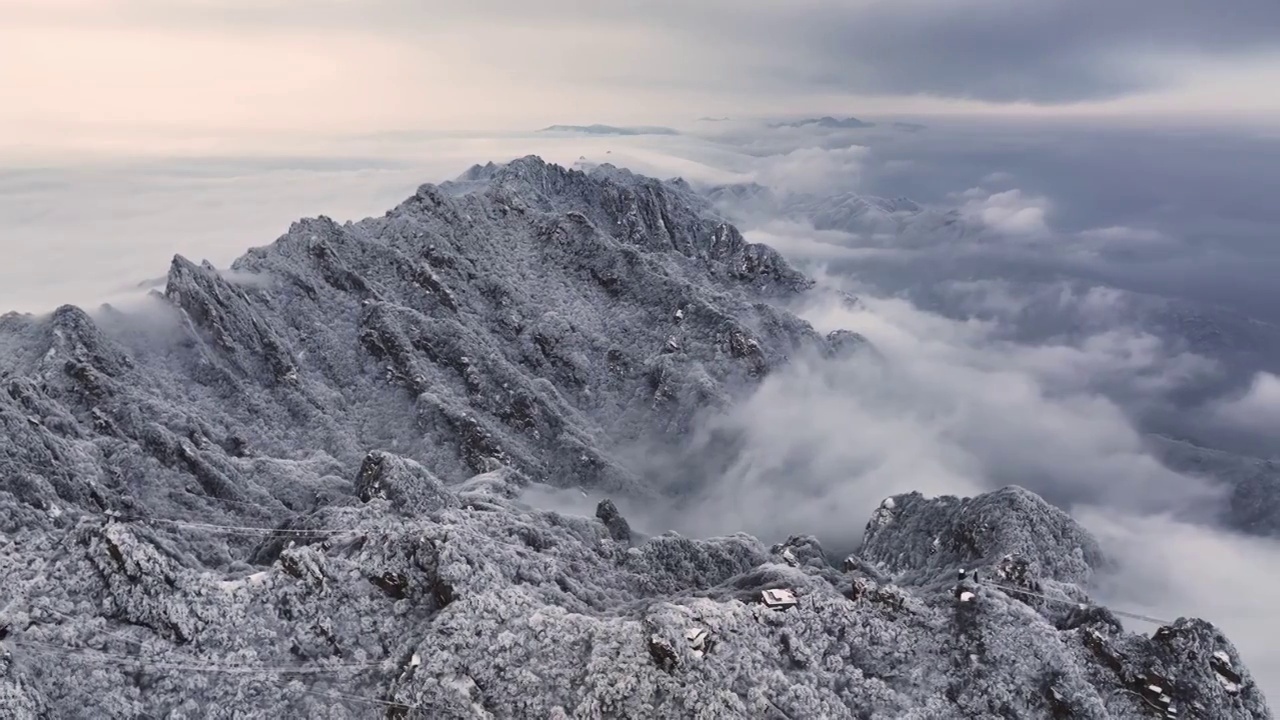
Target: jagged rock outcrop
(409,487)
(293,489)
(619,528)
(932,537)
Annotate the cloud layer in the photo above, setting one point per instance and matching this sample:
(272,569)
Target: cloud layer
(238,74)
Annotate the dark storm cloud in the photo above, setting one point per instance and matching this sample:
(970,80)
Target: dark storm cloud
(1036,50)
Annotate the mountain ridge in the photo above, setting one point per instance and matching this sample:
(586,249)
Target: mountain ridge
(598,129)
(826,122)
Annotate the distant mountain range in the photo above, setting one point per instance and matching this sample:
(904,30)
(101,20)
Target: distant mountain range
(826,122)
(909,126)
(896,222)
(849,123)
(608,130)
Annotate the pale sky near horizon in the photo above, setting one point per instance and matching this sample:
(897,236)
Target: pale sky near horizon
(146,77)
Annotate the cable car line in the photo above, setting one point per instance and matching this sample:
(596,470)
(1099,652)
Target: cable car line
(1135,616)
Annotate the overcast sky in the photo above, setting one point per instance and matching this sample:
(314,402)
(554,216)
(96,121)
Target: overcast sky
(183,76)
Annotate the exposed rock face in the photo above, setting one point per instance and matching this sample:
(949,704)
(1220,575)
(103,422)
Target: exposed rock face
(619,528)
(292,490)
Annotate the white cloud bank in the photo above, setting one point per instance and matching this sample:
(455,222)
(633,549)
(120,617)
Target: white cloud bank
(1011,213)
(1257,410)
(943,407)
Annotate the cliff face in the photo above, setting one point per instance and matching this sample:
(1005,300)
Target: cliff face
(291,489)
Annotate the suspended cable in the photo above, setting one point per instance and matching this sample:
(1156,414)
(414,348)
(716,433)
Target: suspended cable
(72,618)
(246,529)
(1081,605)
(241,530)
(234,529)
(97,656)
(352,698)
(245,503)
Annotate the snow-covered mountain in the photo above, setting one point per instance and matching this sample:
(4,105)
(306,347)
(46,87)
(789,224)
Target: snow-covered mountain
(293,489)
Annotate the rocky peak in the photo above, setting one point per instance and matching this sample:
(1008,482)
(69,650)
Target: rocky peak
(638,210)
(919,540)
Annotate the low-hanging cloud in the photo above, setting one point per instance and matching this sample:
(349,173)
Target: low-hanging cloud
(814,169)
(102,232)
(1257,410)
(1010,213)
(1120,234)
(803,244)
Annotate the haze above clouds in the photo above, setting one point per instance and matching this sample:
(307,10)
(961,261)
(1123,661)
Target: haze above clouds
(1113,167)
